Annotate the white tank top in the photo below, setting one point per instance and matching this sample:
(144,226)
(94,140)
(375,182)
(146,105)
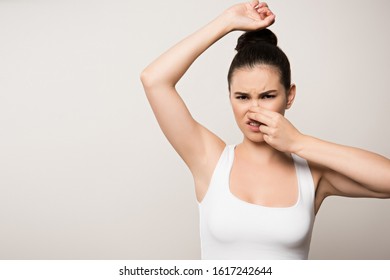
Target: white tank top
(231,228)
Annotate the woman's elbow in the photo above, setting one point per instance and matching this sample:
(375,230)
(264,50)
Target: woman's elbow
(147,79)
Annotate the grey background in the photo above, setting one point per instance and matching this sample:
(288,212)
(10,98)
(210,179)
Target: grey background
(85,172)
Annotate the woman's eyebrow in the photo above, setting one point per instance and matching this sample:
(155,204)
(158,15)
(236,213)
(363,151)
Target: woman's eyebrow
(240,93)
(261,93)
(268,92)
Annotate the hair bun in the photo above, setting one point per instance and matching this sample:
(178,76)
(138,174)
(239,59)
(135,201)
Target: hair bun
(251,38)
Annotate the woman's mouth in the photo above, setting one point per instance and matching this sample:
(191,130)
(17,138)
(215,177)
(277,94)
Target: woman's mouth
(254,125)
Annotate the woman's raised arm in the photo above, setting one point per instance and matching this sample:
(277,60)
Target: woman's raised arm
(195,144)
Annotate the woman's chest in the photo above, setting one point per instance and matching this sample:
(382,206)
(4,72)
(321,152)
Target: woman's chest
(271,186)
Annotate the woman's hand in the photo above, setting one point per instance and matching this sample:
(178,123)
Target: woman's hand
(250,16)
(277,130)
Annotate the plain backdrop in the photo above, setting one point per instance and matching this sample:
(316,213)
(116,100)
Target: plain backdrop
(86,173)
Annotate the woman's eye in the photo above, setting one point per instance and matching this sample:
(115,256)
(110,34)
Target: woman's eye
(242,97)
(268,96)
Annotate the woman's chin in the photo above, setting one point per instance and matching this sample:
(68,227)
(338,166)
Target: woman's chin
(255,137)
(252,135)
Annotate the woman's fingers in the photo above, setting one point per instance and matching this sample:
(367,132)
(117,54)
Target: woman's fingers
(260,5)
(264,11)
(255,3)
(251,15)
(258,109)
(261,118)
(266,129)
(264,116)
(277,130)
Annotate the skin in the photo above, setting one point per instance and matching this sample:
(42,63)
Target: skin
(274,171)
(257,87)
(269,180)
(336,169)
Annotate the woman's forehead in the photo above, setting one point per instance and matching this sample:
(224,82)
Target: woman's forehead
(256,78)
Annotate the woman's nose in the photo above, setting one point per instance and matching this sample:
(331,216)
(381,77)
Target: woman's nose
(255,103)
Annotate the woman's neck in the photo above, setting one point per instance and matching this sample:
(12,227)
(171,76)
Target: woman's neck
(259,152)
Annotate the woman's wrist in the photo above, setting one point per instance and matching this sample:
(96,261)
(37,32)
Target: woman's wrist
(300,144)
(224,23)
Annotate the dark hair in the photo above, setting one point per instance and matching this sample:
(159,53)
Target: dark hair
(260,48)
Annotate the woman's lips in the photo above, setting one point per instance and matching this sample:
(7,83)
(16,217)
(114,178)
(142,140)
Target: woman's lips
(254,125)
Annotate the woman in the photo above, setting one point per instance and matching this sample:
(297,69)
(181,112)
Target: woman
(257,199)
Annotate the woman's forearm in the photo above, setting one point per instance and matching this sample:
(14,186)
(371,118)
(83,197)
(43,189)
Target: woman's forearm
(367,168)
(167,69)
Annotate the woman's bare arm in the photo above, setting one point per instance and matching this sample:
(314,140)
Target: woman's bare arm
(350,171)
(198,147)
(347,171)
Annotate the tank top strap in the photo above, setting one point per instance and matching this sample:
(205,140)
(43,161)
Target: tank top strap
(220,178)
(230,152)
(305,180)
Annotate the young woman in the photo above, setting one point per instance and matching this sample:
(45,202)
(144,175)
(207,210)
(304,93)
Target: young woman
(257,199)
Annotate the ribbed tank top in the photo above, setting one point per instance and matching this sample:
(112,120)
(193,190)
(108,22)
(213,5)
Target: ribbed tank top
(231,228)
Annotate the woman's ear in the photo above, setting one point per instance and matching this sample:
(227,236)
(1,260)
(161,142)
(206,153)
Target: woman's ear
(291,96)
